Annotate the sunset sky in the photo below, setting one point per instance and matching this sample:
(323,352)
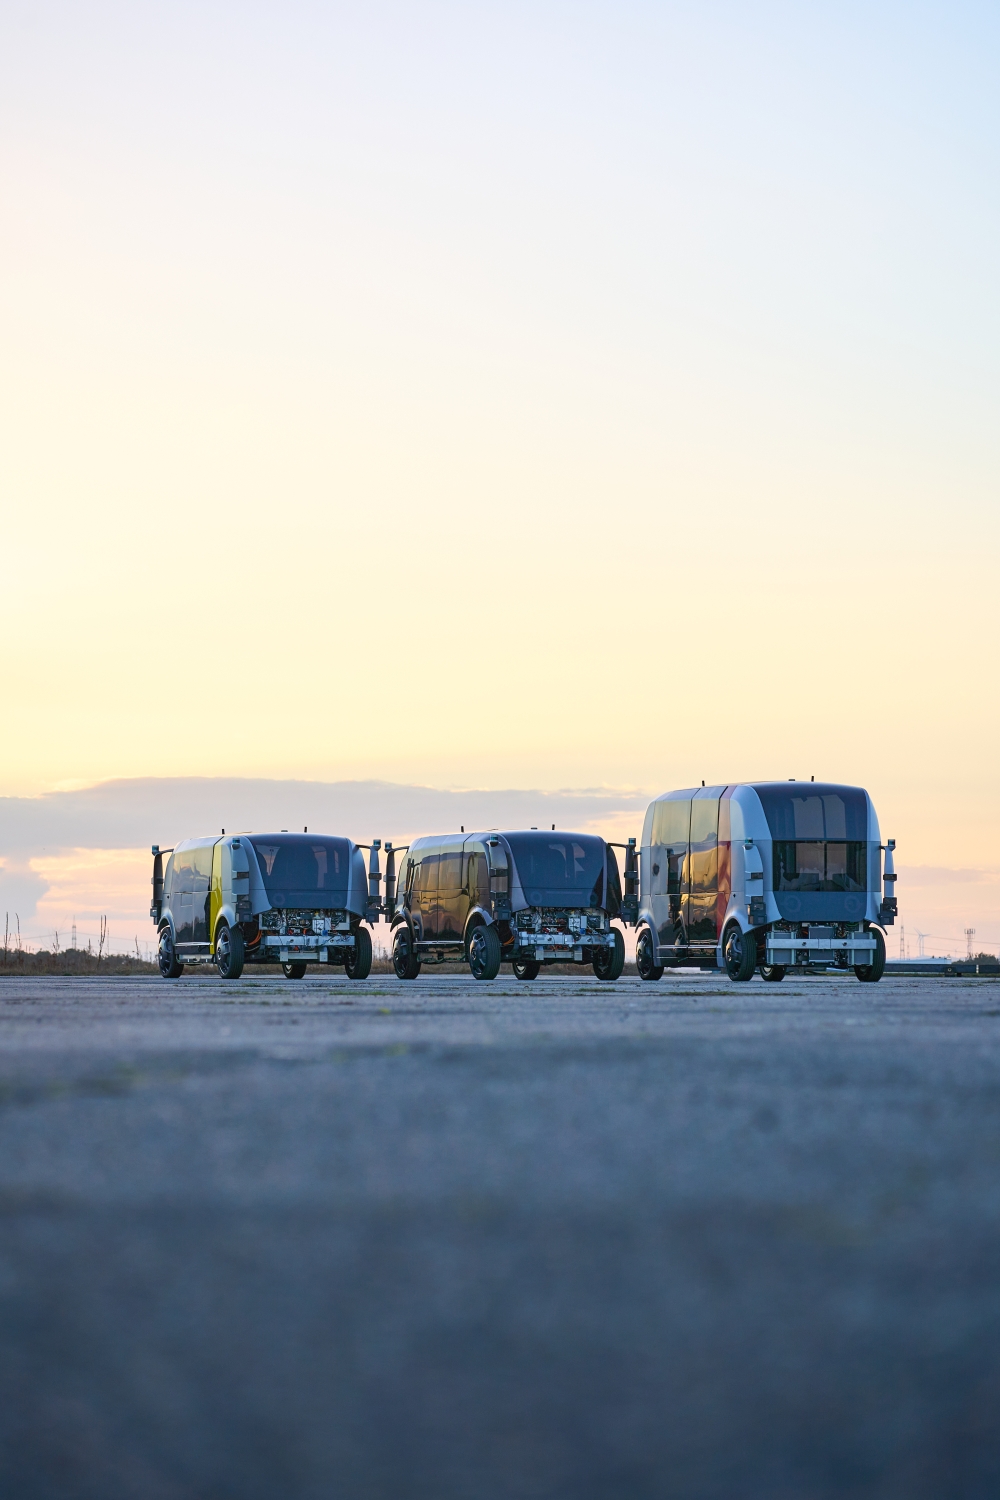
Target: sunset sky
(503,396)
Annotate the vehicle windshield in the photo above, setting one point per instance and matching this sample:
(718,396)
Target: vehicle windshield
(797,810)
(559,869)
(299,870)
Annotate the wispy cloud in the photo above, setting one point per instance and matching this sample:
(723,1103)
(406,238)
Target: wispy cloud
(945,875)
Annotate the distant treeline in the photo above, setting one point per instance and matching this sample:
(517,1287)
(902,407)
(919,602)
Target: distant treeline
(70,962)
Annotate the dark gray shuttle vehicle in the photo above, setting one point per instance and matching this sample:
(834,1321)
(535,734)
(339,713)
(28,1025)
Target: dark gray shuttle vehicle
(528,898)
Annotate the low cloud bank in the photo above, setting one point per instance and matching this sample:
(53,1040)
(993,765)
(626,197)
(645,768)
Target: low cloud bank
(150,810)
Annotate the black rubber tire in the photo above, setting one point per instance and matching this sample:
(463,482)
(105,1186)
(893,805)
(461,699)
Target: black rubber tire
(359,963)
(772,973)
(872,973)
(610,962)
(644,951)
(404,960)
(485,952)
(166,957)
(230,951)
(294,970)
(526,968)
(739,953)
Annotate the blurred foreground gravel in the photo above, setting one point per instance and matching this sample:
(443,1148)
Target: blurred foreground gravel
(321,1239)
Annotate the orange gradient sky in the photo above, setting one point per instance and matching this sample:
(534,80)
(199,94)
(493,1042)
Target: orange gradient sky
(504,396)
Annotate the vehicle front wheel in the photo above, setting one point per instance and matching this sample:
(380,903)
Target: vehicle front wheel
(610,962)
(526,968)
(872,973)
(485,952)
(644,962)
(230,951)
(404,961)
(166,956)
(739,952)
(294,970)
(359,962)
(772,972)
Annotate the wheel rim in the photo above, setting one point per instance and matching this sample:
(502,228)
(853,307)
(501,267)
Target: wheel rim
(166,952)
(477,951)
(734,949)
(643,956)
(223,950)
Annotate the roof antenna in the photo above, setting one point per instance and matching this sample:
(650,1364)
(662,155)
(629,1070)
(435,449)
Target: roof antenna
(223,830)
(703,781)
(463,827)
(306,828)
(553,828)
(812,778)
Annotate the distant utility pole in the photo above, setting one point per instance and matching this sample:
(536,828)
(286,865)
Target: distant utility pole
(74,932)
(902,942)
(970,933)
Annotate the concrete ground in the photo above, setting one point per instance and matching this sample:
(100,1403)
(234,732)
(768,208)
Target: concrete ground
(440,1239)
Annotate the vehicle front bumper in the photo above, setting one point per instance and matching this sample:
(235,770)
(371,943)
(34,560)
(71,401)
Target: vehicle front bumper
(308,947)
(569,945)
(785,949)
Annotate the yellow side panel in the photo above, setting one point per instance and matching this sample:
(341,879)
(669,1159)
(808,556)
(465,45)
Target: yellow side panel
(216,893)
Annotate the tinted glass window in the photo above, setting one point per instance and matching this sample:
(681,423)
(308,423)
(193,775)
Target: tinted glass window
(614,901)
(816,865)
(425,876)
(815,812)
(450,873)
(478,878)
(184,871)
(302,871)
(554,868)
(202,862)
(671,823)
(704,863)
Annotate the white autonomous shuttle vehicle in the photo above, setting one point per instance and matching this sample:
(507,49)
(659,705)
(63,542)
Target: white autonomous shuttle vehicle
(770,875)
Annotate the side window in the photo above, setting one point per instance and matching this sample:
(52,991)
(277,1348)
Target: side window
(450,874)
(671,827)
(704,844)
(183,868)
(426,878)
(477,878)
(201,860)
(613,900)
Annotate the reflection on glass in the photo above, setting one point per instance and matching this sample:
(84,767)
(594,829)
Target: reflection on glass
(819,865)
(426,877)
(450,873)
(303,872)
(701,924)
(672,822)
(822,812)
(554,869)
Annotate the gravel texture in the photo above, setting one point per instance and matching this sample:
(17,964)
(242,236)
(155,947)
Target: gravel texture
(440,1239)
